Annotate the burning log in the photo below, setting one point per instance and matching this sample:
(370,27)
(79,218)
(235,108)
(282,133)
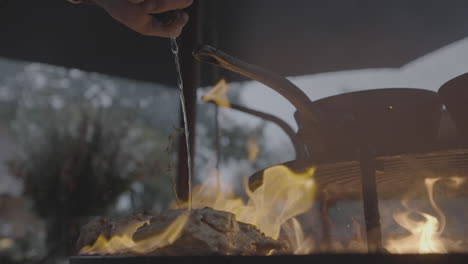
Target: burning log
(204,232)
(211,232)
(232,227)
(108,228)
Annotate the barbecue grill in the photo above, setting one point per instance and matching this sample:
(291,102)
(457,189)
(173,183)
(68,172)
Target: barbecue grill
(375,143)
(393,139)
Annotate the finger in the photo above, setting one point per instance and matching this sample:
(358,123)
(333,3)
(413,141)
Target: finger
(173,30)
(150,26)
(134,17)
(161,6)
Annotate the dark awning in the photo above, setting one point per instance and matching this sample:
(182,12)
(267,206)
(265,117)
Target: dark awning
(289,37)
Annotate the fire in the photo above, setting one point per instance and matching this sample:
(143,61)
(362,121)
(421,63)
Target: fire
(425,232)
(252,149)
(295,235)
(272,207)
(124,243)
(218,94)
(424,237)
(283,195)
(6,243)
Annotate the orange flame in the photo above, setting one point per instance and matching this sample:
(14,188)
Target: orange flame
(300,244)
(425,234)
(6,243)
(218,94)
(252,149)
(124,243)
(283,195)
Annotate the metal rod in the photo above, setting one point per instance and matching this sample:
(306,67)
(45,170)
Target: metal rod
(191,77)
(370,200)
(326,224)
(298,146)
(217,143)
(214,38)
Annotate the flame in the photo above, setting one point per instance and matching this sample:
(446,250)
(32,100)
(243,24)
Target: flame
(252,149)
(218,94)
(283,195)
(123,243)
(424,236)
(295,236)
(6,243)
(426,232)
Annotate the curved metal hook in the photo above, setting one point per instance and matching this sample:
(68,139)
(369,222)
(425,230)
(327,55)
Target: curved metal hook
(283,86)
(298,146)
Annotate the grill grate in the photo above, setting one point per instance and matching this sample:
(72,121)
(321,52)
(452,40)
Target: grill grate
(395,175)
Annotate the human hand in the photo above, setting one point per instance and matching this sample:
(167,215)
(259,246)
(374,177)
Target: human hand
(137,15)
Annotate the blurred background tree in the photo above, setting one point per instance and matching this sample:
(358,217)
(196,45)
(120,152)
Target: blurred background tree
(88,145)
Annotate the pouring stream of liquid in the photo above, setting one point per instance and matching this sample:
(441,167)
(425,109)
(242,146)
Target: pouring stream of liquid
(180,83)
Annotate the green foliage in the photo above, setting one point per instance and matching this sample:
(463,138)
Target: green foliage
(75,174)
